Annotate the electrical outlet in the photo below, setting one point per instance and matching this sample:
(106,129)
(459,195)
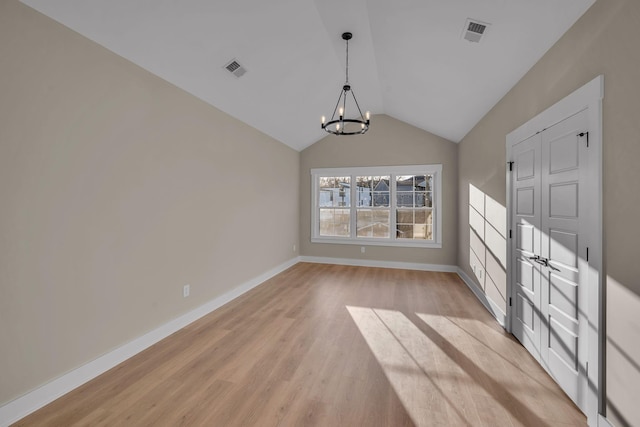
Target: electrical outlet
(186,290)
(362,249)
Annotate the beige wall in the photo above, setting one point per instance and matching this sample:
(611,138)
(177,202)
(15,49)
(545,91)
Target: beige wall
(389,142)
(603,41)
(116,189)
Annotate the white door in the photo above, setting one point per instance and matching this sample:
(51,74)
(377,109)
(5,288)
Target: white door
(526,220)
(549,253)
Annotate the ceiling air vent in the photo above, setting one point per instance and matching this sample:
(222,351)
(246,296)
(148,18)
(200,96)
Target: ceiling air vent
(474,30)
(235,68)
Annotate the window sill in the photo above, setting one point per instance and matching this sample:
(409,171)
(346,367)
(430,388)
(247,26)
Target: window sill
(377,242)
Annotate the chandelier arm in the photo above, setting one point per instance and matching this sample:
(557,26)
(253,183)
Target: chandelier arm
(344,104)
(357,105)
(336,108)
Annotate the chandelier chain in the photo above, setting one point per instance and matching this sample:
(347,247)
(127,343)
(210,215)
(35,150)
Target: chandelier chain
(347,67)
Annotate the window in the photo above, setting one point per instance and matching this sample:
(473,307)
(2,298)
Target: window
(387,205)
(372,210)
(334,202)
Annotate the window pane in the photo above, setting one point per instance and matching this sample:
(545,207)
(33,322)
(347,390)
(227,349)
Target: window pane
(334,191)
(404,199)
(404,182)
(372,223)
(381,198)
(363,197)
(380,183)
(423,216)
(404,216)
(363,181)
(419,231)
(429,183)
(363,191)
(414,190)
(415,232)
(404,232)
(414,224)
(372,190)
(334,222)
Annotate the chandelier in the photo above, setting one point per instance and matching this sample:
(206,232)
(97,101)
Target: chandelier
(340,125)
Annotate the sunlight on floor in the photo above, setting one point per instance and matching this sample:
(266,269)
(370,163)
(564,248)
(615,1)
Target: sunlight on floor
(448,372)
(419,394)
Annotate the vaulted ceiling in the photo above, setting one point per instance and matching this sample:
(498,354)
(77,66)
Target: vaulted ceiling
(408,58)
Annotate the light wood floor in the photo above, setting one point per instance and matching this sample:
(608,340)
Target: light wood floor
(332,346)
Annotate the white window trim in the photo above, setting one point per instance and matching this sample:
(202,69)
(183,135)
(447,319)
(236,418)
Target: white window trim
(435,170)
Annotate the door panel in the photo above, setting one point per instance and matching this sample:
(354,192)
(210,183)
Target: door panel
(525,234)
(525,201)
(525,311)
(563,200)
(526,161)
(548,200)
(563,248)
(563,155)
(564,344)
(564,327)
(525,274)
(526,220)
(563,295)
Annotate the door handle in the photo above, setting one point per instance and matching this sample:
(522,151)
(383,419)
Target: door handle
(539,260)
(543,261)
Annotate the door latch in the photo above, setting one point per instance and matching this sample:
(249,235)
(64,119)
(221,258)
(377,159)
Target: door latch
(539,260)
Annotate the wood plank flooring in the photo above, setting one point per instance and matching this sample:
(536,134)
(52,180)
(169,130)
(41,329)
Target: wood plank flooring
(329,345)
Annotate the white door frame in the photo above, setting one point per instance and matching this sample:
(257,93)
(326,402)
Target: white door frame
(588,96)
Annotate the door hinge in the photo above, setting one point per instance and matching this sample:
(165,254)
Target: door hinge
(510,165)
(587,253)
(583,134)
(509,301)
(510,234)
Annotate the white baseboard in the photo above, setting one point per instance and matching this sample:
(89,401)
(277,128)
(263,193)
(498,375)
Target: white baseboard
(45,394)
(603,422)
(491,306)
(381,264)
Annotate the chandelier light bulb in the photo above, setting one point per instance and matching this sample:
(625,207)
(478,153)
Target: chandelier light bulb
(323,119)
(341,111)
(366,115)
(338,127)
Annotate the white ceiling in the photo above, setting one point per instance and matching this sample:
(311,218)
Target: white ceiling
(407,57)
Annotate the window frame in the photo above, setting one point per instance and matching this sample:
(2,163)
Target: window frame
(434,170)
